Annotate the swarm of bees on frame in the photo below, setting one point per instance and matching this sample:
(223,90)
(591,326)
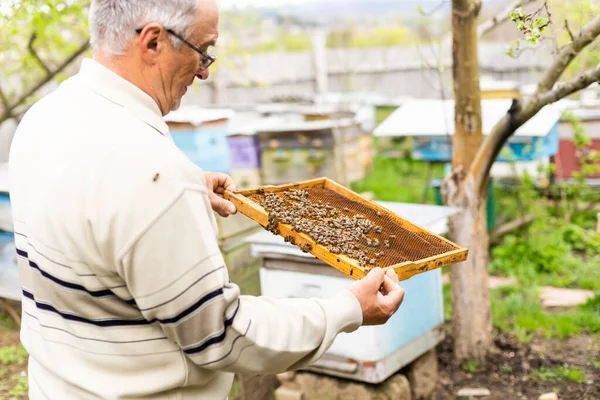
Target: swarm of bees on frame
(325,224)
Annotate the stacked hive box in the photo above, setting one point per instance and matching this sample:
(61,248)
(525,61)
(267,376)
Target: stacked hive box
(10,287)
(244,152)
(338,149)
(202,135)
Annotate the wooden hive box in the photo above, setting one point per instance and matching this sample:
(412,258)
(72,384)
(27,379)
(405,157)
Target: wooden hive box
(390,242)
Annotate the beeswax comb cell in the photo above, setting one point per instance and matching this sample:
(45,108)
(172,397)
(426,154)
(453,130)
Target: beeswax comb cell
(344,230)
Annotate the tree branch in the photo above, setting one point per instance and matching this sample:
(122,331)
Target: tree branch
(8,111)
(517,116)
(567,54)
(500,18)
(564,89)
(34,53)
(544,95)
(4,101)
(569,30)
(435,9)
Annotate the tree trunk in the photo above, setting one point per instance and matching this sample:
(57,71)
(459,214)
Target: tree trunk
(471,316)
(470,297)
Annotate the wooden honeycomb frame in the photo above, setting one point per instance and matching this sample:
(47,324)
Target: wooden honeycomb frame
(344,264)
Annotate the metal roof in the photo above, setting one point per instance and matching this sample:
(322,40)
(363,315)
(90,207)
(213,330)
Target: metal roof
(436,118)
(197,115)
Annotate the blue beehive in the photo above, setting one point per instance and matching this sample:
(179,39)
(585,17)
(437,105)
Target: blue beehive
(372,353)
(202,135)
(207,148)
(10,287)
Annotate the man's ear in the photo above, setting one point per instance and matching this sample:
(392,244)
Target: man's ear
(150,39)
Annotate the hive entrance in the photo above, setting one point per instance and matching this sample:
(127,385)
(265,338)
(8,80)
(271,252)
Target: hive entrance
(348,227)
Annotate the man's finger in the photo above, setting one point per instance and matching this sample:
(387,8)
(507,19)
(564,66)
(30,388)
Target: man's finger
(394,298)
(374,278)
(224,181)
(389,285)
(393,275)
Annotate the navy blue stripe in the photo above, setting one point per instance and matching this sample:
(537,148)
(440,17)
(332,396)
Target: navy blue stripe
(216,339)
(94,339)
(192,308)
(70,285)
(185,290)
(51,260)
(232,347)
(229,321)
(77,318)
(125,322)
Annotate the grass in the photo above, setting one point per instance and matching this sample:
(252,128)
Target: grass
(21,386)
(399,180)
(447,303)
(550,253)
(236,390)
(506,369)
(558,374)
(6,322)
(13,355)
(471,366)
(582,275)
(16,386)
(518,310)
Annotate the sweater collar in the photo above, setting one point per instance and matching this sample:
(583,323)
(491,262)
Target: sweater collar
(120,91)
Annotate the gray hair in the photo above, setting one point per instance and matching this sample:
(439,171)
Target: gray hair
(113,22)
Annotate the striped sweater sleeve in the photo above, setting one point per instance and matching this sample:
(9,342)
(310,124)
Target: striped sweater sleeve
(177,276)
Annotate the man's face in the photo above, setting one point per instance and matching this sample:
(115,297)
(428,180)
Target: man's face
(180,66)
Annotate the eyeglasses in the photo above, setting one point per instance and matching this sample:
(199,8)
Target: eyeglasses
(206,58)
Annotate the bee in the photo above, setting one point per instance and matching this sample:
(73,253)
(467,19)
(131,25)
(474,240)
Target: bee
(155,177)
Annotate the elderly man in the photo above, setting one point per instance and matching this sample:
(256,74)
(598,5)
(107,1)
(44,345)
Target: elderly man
(125,292)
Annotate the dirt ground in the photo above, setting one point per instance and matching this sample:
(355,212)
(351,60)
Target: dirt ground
(516,371)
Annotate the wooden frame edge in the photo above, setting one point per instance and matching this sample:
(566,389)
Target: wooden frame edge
(343,263)
(410,269)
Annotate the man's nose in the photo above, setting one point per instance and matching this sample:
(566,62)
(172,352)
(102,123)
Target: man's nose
(203,75)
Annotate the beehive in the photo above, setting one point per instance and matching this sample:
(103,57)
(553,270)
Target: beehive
(345,230)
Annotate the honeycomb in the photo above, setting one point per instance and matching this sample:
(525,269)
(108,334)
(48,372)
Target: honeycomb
(348,227)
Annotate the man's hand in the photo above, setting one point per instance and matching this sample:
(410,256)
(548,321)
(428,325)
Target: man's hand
(217,183)
(378,306)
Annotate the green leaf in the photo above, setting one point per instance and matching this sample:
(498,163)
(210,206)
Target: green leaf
(540,22)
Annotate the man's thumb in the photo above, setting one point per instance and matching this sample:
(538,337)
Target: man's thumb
(222,206)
